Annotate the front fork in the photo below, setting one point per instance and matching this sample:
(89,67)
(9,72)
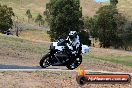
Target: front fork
(52,57)
(51,60)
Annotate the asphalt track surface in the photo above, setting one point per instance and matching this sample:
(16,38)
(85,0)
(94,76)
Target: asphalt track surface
(51,68)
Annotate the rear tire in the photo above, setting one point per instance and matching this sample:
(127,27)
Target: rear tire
(75,63)
(44,62)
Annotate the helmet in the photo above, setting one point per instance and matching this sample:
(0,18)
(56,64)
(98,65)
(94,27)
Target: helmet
(72,35)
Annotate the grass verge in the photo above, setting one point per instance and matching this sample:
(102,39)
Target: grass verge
(123,60)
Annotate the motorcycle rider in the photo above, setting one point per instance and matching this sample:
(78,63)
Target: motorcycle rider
(73,42)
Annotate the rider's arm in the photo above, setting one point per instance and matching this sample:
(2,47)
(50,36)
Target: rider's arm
(67,40)
(77,42)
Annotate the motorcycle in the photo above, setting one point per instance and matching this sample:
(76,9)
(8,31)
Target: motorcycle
(61,55)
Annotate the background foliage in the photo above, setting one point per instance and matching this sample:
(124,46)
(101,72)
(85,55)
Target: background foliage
(6,14)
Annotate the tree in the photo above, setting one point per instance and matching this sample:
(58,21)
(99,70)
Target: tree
(113,28)
(47,14)
(63,16)
(91,28)
(39,20)
(107,25)
(6,14)
(126,36)
(84,37)
(90,24)
(114,2)
(28,14)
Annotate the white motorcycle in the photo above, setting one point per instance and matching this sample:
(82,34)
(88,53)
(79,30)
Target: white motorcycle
(61,55)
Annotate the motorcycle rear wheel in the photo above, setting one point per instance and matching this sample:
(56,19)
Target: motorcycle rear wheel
(44,62)
(75,64)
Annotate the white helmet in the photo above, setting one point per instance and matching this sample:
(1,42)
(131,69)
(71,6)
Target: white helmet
(72,35)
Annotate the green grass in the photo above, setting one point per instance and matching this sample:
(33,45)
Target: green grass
(124,60)
(35,35)
(22,45)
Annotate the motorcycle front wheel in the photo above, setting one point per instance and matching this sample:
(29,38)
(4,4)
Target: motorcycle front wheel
(44,62)
(74,64)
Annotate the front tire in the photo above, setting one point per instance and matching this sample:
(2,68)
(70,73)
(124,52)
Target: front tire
(75,64)
(44,62)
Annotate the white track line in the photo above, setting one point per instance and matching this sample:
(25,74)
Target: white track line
(90,71)
(61,70)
